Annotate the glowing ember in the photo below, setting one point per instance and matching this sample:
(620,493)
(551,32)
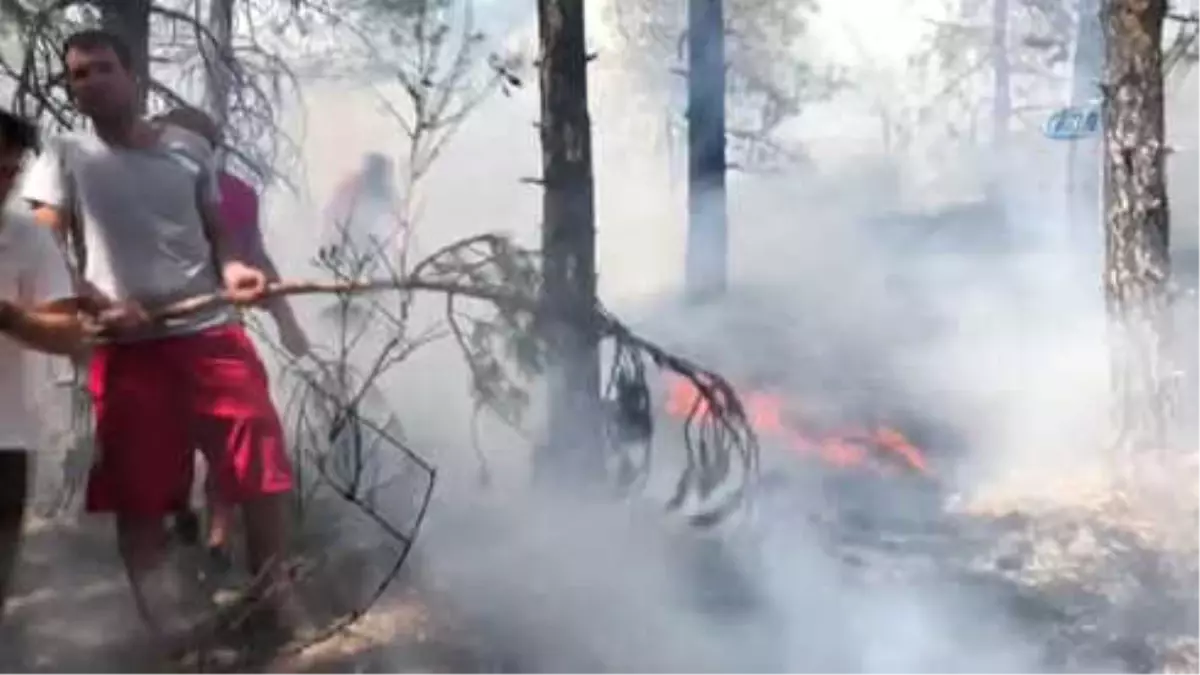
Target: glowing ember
(847,448)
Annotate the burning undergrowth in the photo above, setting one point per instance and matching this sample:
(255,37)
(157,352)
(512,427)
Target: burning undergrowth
(774,418)
(863,549)
(886,434)
(835,566)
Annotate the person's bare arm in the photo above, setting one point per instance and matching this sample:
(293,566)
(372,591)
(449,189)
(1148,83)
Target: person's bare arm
(90,299)
(225,249)
(53,328)
(256,253)
(290,331)
(52,219)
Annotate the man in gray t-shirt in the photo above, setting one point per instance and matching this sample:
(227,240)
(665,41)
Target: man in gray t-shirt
(144,228)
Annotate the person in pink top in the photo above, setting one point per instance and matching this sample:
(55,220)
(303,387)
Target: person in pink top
(240,213)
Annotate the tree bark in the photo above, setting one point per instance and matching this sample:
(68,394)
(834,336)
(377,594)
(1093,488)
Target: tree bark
(1002,84)
(130,19)
(1137,265)
(218,79)
(1083,155)
(574,441)
(708,236)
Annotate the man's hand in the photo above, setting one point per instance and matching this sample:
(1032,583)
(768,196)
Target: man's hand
(244,284)
(122,315)
(52,328)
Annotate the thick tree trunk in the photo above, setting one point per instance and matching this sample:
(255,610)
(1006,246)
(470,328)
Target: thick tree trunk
(708,235)
(1137,266)
(130,19)
(1083,155)
(574,443)
(218,79)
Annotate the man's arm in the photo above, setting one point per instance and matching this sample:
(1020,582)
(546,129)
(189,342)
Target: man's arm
(280,309)
(54,328)
(47,189)
(243,282)
(47,318)
(53,219)
(57,221)
(225,247)
(45,186)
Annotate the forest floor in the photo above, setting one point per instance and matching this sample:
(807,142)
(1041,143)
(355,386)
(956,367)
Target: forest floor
(1104,579)
(71,611)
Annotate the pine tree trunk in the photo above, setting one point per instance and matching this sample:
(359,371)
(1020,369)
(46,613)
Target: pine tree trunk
(708,236)
(217,57)
(130,19)
(1002,96)
(574,444)
(1137,265)
(1001,104)
(1083,155)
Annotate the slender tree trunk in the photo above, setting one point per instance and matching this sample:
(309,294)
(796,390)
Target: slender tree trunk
(130,19)
(1083,155)
(1002,97)
(1137,267)
(218,79)
(1001,101)
(574,447)
(708,235)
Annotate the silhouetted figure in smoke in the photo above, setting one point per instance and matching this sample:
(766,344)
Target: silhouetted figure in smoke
(364,218)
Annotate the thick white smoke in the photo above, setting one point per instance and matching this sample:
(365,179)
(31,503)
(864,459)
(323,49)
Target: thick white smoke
(835,299)
(992,335)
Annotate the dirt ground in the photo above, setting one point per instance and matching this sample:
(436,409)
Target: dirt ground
(1107,584)
(71,611)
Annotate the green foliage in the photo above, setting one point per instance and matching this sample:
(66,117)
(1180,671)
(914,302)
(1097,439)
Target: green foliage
(502,349)
(494,311)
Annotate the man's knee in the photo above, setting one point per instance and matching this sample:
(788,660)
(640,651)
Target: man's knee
(141,539)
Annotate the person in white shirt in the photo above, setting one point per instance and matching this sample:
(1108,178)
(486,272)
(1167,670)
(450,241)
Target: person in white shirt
(37,310)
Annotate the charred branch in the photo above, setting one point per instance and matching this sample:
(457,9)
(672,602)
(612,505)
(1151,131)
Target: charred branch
(720,445)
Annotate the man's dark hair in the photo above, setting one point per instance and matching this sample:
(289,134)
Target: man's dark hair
(99,39)
(16,132)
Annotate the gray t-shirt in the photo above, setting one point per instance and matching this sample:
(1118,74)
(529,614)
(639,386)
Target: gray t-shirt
(139,214)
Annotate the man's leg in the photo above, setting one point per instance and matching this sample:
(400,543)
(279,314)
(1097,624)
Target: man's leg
(238,426)
(220,523)
(14,488)
(220,515)
(266,519)
(142,473)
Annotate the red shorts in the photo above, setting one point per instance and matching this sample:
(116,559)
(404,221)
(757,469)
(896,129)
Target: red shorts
(159,400)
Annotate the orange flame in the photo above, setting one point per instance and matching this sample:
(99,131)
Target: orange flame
(765,414)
